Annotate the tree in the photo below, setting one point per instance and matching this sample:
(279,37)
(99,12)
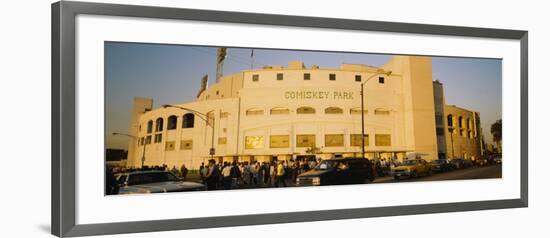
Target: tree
(496,131)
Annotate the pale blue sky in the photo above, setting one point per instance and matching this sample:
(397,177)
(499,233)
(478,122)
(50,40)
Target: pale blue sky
(171,74)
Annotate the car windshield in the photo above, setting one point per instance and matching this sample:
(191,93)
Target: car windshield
(152,177)
(411,162)
(327,165)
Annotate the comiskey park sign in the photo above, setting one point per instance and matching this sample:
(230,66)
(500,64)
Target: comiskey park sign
(337,95)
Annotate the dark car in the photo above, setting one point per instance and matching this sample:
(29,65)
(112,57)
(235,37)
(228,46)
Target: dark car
(338,171)
(462,163)
(154,181)
(442,165)
(482,162)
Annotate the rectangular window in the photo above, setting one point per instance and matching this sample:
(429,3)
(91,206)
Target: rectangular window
(251,112)
(357,78)
(253,142)
(382,140)
(279,141)
(279,76)
(440,131)
(148,140)
(255,78)
(222,140)
(141,140)
(280,111)
(158,138)
(332,77)
(305,141)
(357,111)
(186,145)
(334,140)
(170,145)
(381,80)
(307,76)
(355,140)
(381,112)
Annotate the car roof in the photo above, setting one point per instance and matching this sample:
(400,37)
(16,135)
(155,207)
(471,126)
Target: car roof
(143,172)
(348,158)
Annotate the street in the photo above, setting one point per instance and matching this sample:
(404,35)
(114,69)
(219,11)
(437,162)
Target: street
(491,171)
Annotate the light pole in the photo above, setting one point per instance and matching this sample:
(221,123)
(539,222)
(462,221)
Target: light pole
(378,72)
(202,116)
(137,139)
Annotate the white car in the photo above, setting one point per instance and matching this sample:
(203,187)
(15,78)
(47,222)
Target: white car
(154,181)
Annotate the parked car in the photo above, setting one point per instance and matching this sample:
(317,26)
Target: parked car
(498,160)
(481,162)
(442,165)
(154,181)
(338,171)
(412,168)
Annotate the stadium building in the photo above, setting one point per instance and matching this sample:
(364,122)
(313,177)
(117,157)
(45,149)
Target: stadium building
(298,112)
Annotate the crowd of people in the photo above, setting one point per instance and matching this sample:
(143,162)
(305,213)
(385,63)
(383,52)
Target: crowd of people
(229,175)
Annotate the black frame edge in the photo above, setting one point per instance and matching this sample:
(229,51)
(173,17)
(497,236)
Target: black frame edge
(524,97)
(63,118)
(55,122)
(280,218)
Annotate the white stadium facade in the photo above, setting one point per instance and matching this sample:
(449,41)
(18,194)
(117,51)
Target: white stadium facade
(295,112)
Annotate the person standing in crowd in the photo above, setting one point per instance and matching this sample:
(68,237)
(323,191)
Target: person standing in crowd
(378,165)
(175,171)
(280,171)
(226,173)
(183,171)
(259,174)
(273,173)
(201,171)
(244,170)
(235,174)
(211,177)
(265,167)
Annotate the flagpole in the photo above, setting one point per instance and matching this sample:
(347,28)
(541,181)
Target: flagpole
(252,59)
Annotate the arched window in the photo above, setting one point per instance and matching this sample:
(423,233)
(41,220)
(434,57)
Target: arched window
(460,124)
(159,124)
(150,126)
(254,111)
(449,120)
(279,111)
(188,120)
(381,111)
(172,122)
(333,110)
(357,111)
(305,110)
